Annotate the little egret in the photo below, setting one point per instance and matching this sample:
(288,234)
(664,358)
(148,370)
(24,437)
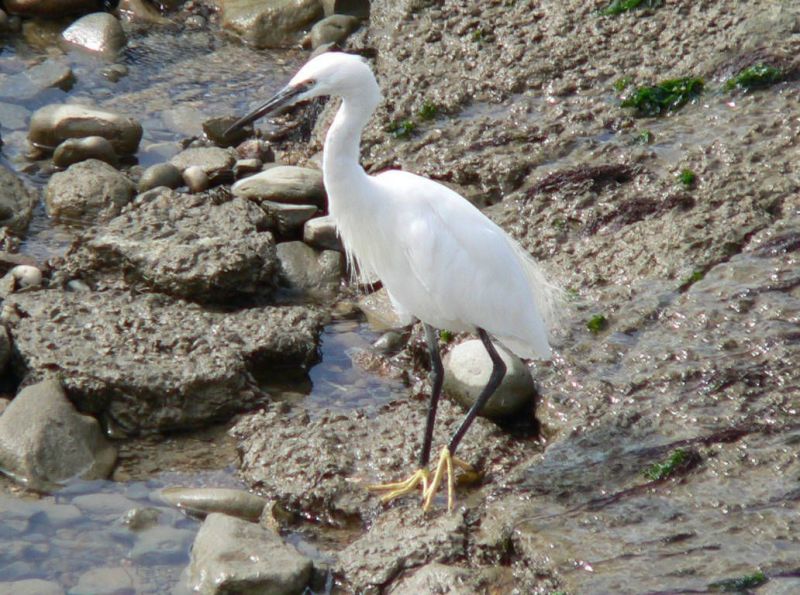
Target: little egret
(440,259)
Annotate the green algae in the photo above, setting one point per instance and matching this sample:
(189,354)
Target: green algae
(667,96)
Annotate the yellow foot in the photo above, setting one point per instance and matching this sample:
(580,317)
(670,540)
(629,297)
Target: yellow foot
(401,488)
(445,466)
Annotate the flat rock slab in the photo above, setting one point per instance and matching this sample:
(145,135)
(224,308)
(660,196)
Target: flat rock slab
(149,362)
(233,556)
(284,184)
(198,247)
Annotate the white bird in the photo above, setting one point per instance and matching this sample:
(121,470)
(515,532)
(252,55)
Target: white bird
(440,259)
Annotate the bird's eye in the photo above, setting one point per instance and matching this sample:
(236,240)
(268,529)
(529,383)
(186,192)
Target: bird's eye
(309,83)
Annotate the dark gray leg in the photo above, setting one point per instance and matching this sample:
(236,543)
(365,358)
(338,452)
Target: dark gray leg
(437,377)
(498,372)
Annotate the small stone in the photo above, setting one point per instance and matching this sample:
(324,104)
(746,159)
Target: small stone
(216,163)
(246,167)
(284,184)
(467,369)
(160,174)
(380,313)
(74,150)
(288,219)
(305,270)
(320,233)
(53,124)
(203,501)
(77,285)
(196,178)
(388,341)
(98,32)
(138,519)
(332,30)
(26,276)
(215,129)
(233,556)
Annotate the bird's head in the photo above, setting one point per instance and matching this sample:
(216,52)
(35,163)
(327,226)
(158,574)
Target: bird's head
(331,73)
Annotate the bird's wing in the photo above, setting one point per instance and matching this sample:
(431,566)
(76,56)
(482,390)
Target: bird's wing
(469,268)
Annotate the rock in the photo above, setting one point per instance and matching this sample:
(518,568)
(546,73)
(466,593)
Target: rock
(16,202)
(288,219)
(246,167)
(256,148)
(139,11)
(331,30)
(115,72)
(196,179)
(74,150)
(53,124)
(467,368)
(32,81)
(203,501)
(161,545)
(107,506)
(86,190)
(184,120)
(200,247)
(215,128)
(44,441)
(31,586)
(187,366)
(14,117)
(454,580)
(273,23)
(305,270)
(98,32)
(111,580)
(233,556)
(216,163)
(284,184)
(160,174)
(51,8)
(381,315)
(320,233)
(388,341)
(20,277)
(356,8)
(138,519)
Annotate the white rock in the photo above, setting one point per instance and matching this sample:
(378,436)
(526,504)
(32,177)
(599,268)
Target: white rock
(26,276)
(320,233)
(196,178)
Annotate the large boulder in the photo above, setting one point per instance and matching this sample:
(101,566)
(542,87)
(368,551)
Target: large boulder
(54,123)
(233,556)
(148,362)
(199,247)
(87,189)
(16,202)
(271,23)
(44,441)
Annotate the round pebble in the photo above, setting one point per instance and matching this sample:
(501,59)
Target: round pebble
(196,178)
(26,276)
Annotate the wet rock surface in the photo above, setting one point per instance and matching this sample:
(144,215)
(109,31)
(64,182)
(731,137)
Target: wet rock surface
(16,202)
(88,190)
(152,363)
(53,124)
(269,24)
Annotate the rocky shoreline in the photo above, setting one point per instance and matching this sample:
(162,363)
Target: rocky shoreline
(659,454)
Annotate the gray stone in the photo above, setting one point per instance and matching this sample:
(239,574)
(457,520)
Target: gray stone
(31,586)
(16,202)
(271,23)
(87,190)
(109,580)
(74,150)
(356,8)
(246,167)
(53,124)
(13,116)
(186,120)
(97,32)
(196,247)
(284,184)
(467,368)
(50,8)
(304,269)
(160,174)
(161,545)
(32,81)
(138,519)
(26,276)
(203,501)
(388,341)
(44,441)
(109,506)
(215,128)
(216,163)
(333,29)
(454,580)
(196,179)
(288,219)
(320,233)
(233,556)
(187,366)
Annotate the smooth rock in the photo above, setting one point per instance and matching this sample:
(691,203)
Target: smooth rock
(97,32)
(203,501)
(304,269)
(138,519)
(189,365)
(288,219)
(44,441)
(160,174)
(233,556)
(331,30)
(196,179)
(320,233)
(109,580)
(216,163)
(467,368)
(31,586)
(32,81)
(269,23)
(388,341)
(161,544)
(86,189)
(140,11)
(25,276)
(16,202)
(215,128)
(53,124)
(246,167)
(284,184)
(74,150)
(356,8)
(380,314)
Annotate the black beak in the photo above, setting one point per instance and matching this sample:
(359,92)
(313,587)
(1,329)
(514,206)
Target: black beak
(282,98)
